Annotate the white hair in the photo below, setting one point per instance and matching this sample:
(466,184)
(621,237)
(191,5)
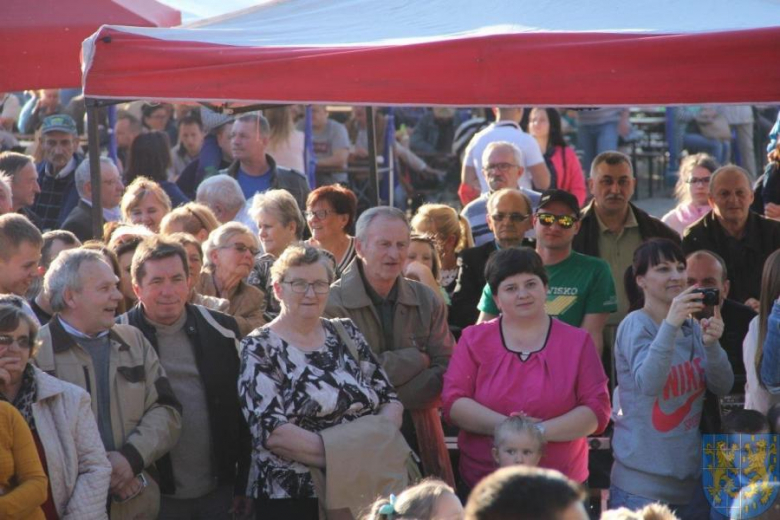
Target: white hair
(517,152)
(63,274)
(83,175)
(220,237)
(221,189)
(368,216)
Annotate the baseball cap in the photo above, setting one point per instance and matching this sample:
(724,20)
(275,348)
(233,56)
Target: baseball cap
(564,197)
(59,123)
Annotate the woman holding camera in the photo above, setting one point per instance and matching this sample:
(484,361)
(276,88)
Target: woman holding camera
(666,358)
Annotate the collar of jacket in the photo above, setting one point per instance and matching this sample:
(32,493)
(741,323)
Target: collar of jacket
(62,341)
(233,168)
(352,281)
(47,386)
(137,319)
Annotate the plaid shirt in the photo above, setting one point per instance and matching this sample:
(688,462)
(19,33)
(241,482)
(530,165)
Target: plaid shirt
(55,192)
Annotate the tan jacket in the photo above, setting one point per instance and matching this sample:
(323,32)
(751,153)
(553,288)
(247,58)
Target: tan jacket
(145,414)
(247,303)
(419,327)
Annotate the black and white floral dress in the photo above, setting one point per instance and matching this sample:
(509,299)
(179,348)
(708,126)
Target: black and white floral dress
(316,390)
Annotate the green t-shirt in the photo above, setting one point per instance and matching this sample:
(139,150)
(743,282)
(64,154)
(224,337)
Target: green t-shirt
(579,285)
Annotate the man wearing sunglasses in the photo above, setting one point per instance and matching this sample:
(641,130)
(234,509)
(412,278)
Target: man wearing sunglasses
(581,291)
(508,215)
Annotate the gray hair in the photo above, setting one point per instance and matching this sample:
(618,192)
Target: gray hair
(725,169)
(83,175)
(220,237)
(222,189)
(300,255)
(63,274)
(517,152)
(613,158)
(282,205)
(368,216)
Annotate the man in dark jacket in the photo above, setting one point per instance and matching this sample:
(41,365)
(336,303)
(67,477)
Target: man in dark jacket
(79,222)
(198,349)
(508,217)
(255,170)
(742,238)
(58,196)
(612,228)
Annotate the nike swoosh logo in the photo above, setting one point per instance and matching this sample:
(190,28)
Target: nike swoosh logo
(665,422)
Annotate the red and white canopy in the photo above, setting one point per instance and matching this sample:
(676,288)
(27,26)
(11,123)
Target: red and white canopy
(40,40)
(452,52)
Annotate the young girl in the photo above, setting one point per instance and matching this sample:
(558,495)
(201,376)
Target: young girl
(517,441)
(423,265)
(431,499)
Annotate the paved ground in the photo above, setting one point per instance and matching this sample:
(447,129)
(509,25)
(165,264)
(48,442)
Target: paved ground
(657,206)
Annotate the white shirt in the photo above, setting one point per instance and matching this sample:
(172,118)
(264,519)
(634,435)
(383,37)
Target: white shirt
(503,131)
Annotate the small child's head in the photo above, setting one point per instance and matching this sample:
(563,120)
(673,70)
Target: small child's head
(431,498)
(517,440)
(745,421)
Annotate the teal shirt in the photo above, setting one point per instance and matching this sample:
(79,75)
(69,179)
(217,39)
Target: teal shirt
(579,285)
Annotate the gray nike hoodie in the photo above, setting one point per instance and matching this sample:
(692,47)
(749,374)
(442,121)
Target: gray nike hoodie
(662,372)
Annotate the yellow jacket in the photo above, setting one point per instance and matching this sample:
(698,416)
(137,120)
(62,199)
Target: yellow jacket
(19,462)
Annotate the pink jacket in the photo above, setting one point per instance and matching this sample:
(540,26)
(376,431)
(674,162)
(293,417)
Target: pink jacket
(566,373)
(570,178)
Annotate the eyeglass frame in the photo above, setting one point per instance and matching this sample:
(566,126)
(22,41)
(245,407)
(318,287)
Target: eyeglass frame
(15,341)
(311,285)
(513,217)
(503,167)
(699,180)
(237,248)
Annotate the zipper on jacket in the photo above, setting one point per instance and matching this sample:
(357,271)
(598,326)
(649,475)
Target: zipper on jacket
(88,382)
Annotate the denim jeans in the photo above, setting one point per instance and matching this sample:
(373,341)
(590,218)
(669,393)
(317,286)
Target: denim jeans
(697,509)
(770,362)
(695,143)
(594,139)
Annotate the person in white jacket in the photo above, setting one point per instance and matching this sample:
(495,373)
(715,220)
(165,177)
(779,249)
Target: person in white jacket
(60,417)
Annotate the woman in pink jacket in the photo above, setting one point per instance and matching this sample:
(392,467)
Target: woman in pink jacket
(544,125)
(525,363)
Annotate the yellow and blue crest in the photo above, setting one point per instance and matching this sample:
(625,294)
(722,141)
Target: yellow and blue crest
(740,473)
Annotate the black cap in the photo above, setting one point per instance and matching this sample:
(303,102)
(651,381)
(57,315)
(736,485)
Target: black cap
(565,197)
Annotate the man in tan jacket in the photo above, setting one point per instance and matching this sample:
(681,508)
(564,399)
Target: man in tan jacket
(138,416)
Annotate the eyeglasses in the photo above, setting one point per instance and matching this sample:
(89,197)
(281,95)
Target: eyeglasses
(698,180)
(514,217)
(241,248)
(502,167)
(302,286)
(23,342)
(320,214)
(548,219)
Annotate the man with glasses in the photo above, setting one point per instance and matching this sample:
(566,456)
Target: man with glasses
(198,348)
(502,167)
(742,238)
(580,291)
(508,218)
(56,173)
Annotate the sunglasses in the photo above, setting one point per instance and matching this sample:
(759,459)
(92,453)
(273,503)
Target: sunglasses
(514,217)
(548,219)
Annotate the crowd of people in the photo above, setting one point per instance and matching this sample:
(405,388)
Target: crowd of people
(240,344)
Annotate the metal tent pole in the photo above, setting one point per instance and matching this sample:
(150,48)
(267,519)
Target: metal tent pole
(94,168)
(373,177)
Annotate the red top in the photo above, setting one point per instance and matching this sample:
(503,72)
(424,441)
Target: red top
(566,373)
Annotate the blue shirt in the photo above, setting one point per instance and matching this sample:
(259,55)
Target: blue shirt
(251,184)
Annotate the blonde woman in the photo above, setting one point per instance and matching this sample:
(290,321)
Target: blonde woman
(451,233)
(286,143)
(194,218)
(691,191)
(145,203)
